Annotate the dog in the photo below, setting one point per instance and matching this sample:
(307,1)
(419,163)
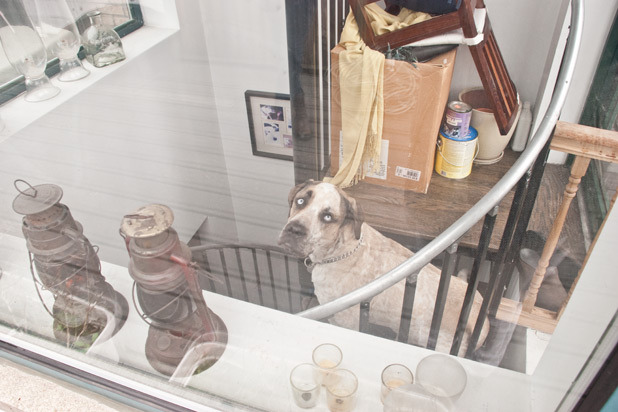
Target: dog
(325,226)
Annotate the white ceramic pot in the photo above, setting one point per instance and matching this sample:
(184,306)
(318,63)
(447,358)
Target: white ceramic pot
(491,142)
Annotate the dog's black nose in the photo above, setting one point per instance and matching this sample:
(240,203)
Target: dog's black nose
(296,229)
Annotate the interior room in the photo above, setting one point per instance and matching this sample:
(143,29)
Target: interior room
(180,162)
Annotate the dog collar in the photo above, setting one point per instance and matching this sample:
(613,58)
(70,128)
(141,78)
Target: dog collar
(310,264)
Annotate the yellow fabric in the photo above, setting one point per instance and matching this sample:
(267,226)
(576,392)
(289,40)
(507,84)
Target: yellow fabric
(361,75)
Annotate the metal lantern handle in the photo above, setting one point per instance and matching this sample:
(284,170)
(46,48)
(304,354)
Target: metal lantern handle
(24,192)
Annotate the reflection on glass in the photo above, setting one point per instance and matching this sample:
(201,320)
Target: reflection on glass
(101,43)
(56,25)
(25,51)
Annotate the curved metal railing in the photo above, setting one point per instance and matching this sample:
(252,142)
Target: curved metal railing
(483,206)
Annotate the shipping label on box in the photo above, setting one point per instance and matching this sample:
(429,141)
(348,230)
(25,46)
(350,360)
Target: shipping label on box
(414,100)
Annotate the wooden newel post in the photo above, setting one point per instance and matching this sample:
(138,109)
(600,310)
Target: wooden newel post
(578,170)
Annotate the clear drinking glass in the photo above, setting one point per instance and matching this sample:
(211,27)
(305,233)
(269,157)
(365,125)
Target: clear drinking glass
(326,357)
(394,376)
(341,391)
(25,51)
(305,389)
(55,24)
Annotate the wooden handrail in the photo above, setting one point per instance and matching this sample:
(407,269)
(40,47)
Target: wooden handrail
(585,143)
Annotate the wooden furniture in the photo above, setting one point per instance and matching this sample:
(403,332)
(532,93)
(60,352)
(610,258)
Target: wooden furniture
(585,143)
(425,216)
(500,89)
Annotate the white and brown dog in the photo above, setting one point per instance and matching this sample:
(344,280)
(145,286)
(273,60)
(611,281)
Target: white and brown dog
(325,226)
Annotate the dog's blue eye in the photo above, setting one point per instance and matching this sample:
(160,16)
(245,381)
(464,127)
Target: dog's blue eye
(300,201)
(327,217)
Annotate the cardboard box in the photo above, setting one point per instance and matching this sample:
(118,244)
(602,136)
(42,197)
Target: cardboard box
(414,102)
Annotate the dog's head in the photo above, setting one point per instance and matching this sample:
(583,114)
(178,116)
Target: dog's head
(322,217)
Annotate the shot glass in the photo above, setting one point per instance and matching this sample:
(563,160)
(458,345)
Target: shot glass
(341,391)
(305,389)
(326,357)
(443,377)
(394,376)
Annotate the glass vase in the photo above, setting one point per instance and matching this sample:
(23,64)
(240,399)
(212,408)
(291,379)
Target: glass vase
(101,43)
(25,51)
(55,24)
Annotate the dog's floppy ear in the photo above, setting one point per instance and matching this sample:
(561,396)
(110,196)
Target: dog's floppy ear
(294,191)
(354,214)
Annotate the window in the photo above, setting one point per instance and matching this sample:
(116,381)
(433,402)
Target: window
(140,247)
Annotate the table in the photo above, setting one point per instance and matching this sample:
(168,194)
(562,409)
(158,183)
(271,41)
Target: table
(417,218)
(425,216)
(263,347)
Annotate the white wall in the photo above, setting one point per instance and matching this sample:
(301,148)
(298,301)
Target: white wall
(247,50)
(147,132)
(524,30)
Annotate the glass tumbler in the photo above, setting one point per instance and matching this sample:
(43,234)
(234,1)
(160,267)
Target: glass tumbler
(341,391)
(394,376)
(305,389)
(326,357)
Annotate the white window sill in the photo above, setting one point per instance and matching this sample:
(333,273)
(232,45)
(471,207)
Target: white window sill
(18,113)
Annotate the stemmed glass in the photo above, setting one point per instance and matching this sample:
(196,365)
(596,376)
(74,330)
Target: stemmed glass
(25,51)
(55,24)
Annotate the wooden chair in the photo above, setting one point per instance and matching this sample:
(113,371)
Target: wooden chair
(500,89)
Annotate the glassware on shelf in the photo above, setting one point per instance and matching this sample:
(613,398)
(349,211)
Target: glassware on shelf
(25,51)
(55,24)
(101,43)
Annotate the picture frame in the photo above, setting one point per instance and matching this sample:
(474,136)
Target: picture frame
(270,124)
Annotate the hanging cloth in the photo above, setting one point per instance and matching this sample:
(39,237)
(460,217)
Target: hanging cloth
(361,76)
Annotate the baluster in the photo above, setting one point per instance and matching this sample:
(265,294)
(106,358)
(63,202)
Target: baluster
(241,273)
(226,274)
(578,169)
(289,285)
(517,221)
(206,264)
(406,309)
(272,280)
(445,281)
(473,281)
(363,321)
(258,276)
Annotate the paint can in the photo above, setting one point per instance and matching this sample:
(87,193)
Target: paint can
(457,120)
(454,157)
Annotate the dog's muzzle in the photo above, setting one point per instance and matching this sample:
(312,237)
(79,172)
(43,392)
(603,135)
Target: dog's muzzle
(292,238)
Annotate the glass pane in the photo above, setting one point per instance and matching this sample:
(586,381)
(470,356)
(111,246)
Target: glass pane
(160,231)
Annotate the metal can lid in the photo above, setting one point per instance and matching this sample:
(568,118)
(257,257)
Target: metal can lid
(147,221)
(459,107)
(36,199)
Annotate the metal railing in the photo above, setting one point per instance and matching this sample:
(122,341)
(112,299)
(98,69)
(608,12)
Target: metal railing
(488,202)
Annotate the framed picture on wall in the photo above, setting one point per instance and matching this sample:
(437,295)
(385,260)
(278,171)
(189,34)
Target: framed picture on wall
(270,124)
